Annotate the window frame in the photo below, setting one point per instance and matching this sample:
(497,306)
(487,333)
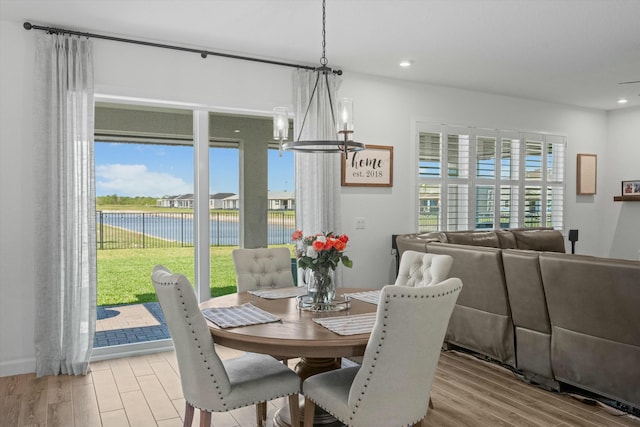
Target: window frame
(554,158)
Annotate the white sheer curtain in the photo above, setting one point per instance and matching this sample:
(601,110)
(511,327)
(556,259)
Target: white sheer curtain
(317,174)
(65,293)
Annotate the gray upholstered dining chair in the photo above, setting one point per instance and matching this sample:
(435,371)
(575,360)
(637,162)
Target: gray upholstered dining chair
(423,269)
(392,386)
(209,383)
(262,268)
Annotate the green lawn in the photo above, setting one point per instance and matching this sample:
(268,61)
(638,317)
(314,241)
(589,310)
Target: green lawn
(124,275)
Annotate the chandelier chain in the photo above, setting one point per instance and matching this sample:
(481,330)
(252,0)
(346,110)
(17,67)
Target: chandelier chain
(330,139)
(324,60)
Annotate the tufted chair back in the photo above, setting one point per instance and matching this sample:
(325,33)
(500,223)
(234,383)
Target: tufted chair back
(388,363)
(204,378)
(423,269)
(392,386)
(262,268)
(208,383)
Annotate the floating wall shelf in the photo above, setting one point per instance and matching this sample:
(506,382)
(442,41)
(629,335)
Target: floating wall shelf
(633,198)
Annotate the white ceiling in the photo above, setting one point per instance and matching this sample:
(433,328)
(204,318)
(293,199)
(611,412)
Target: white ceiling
(565,51)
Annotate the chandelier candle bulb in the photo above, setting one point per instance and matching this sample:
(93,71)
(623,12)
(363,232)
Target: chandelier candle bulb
(280,123)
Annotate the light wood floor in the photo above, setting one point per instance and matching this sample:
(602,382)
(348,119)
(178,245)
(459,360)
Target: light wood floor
(145,391)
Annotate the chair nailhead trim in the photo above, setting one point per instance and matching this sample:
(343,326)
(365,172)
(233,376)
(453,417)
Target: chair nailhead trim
(204,359)
(379,344)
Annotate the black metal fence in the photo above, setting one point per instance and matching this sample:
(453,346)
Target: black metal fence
(128,230)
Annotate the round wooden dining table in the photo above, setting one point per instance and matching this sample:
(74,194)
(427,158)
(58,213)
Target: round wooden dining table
(296,335)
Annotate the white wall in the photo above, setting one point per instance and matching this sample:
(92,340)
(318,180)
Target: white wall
(621,220)
(385,112)
(17,194)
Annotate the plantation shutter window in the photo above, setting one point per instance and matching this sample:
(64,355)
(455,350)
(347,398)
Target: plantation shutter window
(494,179)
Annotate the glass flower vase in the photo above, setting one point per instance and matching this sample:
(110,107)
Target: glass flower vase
(321,285)
(301,248)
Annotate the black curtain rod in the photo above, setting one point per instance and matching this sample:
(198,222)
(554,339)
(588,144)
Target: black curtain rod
(203,53)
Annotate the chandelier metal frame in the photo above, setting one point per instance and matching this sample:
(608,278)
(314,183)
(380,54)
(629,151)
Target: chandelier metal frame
(344,142)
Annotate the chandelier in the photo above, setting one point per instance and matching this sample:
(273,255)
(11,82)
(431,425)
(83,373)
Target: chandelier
(340,116)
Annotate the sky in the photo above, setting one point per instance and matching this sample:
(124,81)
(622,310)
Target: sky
(152,170)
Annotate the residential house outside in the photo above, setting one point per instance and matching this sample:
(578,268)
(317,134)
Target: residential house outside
(216,201)
(281,200)
(277,200)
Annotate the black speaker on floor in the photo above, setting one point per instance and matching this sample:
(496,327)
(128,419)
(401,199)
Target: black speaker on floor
(573,238)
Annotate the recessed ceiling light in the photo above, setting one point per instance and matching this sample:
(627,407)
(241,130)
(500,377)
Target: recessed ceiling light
(405,63)
(237,131)
(622,101)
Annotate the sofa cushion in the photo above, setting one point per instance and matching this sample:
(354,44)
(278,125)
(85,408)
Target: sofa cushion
(411,242)
(507,240)
(481,238)
(540,240)
(481,321)
(526,294)
(433,236)
(593,295)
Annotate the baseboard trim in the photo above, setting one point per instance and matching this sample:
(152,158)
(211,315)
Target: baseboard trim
(17,367)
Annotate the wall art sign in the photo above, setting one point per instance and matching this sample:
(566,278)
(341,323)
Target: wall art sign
(631,188)
(586,179)
(371,167)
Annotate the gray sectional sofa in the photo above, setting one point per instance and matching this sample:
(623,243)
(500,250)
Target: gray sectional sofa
(555,318)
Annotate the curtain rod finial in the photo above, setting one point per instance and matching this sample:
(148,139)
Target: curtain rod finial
(27,25)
